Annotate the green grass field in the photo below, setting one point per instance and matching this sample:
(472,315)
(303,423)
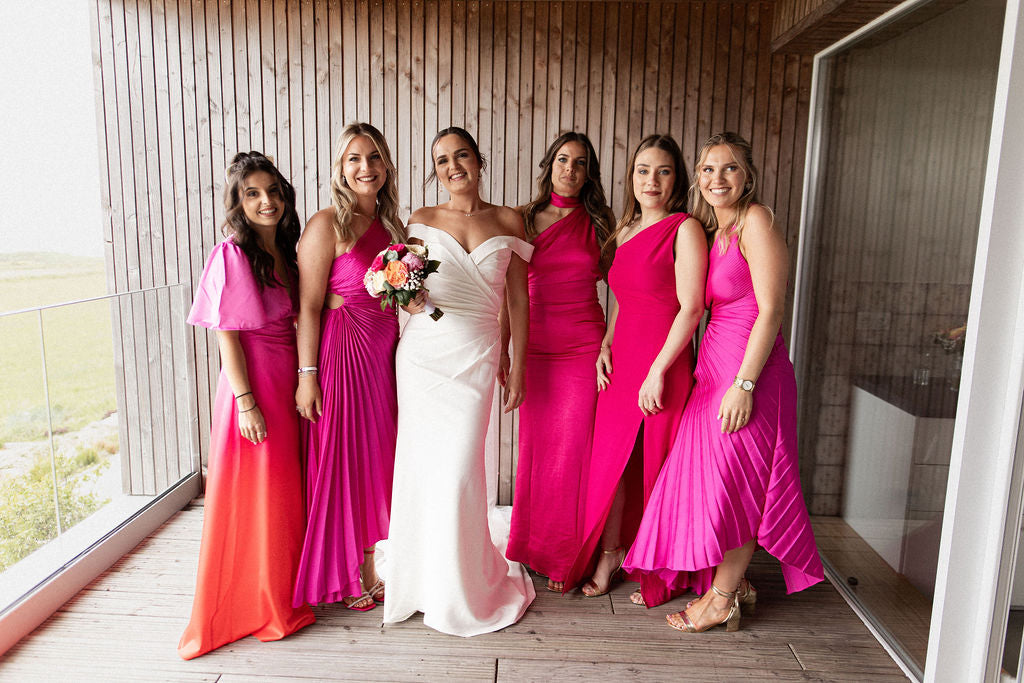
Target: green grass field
(78,343)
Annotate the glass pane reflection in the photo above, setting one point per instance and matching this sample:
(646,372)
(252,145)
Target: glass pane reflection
(896,227)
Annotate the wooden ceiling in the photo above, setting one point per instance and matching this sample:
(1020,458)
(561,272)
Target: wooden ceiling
(809,26)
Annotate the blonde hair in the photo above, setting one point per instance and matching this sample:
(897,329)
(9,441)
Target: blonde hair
(343,199)
(631,206)
(743,154)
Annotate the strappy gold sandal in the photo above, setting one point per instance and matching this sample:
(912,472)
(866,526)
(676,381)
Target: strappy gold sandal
(613,578)
(376,591)
(746,595)
(731,621)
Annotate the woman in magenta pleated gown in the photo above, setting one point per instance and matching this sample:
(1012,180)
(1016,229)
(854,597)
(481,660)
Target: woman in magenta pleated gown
(646,361)
(732,479)
(347,376)
(566,223)
(252,518)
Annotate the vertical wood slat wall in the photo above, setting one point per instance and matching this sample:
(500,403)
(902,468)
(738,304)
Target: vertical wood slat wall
(184,84)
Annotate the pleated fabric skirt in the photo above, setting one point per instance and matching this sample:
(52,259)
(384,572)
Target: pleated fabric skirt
(718,491)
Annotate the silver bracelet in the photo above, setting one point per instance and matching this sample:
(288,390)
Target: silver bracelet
(308,370)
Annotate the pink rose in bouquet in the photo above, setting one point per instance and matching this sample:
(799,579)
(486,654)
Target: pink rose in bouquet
(413,262)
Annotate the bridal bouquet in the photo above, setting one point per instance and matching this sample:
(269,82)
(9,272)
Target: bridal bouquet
(397,274)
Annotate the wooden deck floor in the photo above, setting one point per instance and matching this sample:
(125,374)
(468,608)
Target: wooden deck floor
(126,624)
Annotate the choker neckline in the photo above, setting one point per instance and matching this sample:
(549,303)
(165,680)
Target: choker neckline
(565,202)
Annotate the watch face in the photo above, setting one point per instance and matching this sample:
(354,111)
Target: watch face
(747,385)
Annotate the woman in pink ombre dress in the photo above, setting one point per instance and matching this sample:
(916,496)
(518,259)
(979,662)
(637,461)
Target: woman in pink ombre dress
(252,525)
(347,376)
(566,223)
(732,480)
(645,366)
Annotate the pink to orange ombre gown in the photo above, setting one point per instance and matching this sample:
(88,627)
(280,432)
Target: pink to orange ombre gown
(350,450)
(717,491)
(557,418)
(253,519)
(642,277)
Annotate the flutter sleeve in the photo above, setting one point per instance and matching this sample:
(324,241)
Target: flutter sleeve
(228,296)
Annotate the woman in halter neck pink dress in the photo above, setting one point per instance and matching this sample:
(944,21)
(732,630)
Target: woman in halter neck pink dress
(347,376)
(646,362)
(567,223)
(732,478)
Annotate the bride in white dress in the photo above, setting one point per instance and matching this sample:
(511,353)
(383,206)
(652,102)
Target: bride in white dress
(444,561)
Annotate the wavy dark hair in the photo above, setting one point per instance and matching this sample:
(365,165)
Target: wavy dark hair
(462,133)
(245,236)
(676,201)
(591,194)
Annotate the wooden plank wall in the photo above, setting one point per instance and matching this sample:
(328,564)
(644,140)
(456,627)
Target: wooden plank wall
(184,84)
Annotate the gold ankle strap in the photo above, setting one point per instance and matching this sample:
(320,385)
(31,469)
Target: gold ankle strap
(728,596)
(613,550)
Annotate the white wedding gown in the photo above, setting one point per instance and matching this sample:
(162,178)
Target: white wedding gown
(443,559)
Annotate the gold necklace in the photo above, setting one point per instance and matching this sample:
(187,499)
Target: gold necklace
(471,213)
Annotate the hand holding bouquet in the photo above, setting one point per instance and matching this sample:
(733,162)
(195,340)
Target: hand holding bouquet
(397,274)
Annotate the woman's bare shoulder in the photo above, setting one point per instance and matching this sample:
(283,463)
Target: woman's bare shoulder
(510,221)
(425,215)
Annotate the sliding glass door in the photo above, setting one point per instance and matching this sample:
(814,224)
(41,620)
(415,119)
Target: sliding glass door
(904,119)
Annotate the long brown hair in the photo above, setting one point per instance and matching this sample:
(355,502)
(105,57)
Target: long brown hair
(631,207)
(236,225)
(344,199)
(743,154)
(591,194)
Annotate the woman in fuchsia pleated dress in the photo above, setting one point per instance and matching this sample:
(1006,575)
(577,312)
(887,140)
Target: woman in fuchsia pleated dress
(567,222)
(346,372)
(732,479)
(252,517)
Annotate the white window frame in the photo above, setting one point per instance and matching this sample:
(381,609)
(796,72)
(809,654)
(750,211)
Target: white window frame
(984,490)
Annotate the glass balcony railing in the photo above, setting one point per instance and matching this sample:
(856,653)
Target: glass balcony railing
(76,421)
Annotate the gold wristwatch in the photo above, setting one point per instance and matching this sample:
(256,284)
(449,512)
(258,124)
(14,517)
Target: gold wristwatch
(743,384)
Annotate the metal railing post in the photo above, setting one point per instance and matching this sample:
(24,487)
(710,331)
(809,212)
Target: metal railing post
(49,423)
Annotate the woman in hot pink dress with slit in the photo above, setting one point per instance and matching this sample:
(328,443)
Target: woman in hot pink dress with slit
(252,517)
(732,479)
(347,376)
(646,362)
(566,223)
